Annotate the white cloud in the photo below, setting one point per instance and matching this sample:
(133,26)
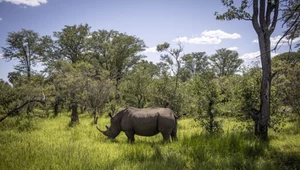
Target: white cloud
(275,39)
(0,19)
(150,50)
(208,37)
(1,56)
(233,48)
(250,55)
(199,40)
(255,55)
(26,2)
(220,34)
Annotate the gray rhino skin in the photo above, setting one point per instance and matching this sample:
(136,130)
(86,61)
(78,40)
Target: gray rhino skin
(143,122)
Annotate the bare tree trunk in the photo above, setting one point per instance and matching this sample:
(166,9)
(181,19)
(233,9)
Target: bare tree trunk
(265,87)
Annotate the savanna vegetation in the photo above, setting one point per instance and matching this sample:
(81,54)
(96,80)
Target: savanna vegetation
(232,116)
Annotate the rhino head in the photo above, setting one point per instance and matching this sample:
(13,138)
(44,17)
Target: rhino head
(113,131)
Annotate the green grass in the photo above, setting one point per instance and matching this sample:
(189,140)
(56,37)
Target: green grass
(51,144)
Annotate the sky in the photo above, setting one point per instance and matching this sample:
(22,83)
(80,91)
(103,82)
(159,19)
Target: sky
(191,22)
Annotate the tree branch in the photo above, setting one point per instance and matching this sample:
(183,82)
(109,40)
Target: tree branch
(274,21)
(254,17)
(262,20)
(270,8)
(287,32)
(21,107)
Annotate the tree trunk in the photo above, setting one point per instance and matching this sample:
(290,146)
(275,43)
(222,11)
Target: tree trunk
(95,116)
(264,116)
(255,115)
(74,108)
(74,115)
(264,27)
(56,104)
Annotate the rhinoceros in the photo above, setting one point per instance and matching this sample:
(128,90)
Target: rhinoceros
(143,122)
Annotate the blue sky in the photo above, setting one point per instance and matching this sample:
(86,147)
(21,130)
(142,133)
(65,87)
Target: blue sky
(191,21)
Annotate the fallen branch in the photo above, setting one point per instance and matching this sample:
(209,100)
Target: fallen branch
(21,107)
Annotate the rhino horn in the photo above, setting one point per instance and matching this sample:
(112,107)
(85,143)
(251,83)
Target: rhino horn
(100,130)
(106,126)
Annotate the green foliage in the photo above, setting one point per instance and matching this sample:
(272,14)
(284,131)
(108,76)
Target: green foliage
(26,46)
(71,42)
(230,100)
(193,64)
(206,90)
(225,62)
(162,47)
(234,12)
(250,89)
(7,96)
(285,89)
(136,87)
(115,52)
(22,91)
(162,90)
(290,57)
(173,61)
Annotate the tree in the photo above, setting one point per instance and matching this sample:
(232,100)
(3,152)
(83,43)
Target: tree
(264,19)
(7,96)
(168,59)
(225,62)
(71,46)
(115,53)
(71,42)
(206,91)
(25,46)
(73,82)
(286,84)
(195,63)
(124,53)
(15,78)
(98,91)
(290,57)
(138,82)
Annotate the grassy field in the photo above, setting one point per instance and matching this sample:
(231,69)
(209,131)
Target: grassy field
(51,144)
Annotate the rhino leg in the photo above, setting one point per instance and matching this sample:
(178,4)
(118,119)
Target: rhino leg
(130,136)
(166,137)
(174,132)
(174,135)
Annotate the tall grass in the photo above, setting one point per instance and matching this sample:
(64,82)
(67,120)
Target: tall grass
(51,144)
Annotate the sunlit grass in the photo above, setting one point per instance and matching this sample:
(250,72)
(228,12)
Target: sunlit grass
(51,144)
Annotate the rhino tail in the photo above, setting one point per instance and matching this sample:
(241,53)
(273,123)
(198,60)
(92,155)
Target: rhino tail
(176,115)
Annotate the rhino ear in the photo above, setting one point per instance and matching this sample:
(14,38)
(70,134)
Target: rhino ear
(110,115)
